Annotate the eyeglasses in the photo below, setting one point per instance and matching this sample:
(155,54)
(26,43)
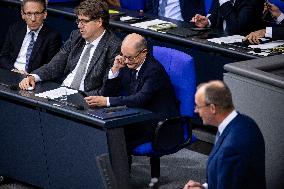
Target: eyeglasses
(83,21)
(199,107)
(129,58)
(36,14)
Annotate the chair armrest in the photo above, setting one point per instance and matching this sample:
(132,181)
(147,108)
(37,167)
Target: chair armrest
(172,134)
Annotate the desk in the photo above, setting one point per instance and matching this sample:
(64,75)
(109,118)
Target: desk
(56,146)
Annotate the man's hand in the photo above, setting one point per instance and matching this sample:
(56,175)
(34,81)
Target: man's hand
(118,63)
(253,37)
(28,82)
(193,185)
(96,101)
(200,21)
(275,11)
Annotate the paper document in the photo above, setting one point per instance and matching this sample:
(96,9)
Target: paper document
(268,45)
(227,39)
(57,93)
(155,25)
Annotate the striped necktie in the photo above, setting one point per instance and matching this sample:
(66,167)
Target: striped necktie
(162,7)
(81,68)
(30,49)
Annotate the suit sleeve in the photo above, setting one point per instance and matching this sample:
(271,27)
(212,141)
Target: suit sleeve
(55,68)
(6,61)
(278,33)
(152,83)
(231,169)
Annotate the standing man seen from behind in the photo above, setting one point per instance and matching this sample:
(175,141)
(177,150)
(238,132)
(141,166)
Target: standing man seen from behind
(237,159)
(233,16)
(137,80)
(30,44)
(85,58)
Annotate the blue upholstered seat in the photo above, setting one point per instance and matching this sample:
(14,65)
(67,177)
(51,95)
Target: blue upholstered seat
(181,70)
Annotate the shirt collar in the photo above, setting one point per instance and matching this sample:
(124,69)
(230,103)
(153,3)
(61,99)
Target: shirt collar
(96,41)
(226,121)
(35,32)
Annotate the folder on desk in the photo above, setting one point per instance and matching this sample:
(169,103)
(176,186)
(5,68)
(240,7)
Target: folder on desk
(112,112)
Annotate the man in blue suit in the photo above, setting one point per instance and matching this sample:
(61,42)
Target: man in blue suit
(237,159)
(136,79)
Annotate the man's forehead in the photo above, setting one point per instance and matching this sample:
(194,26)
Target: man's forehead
(32,5)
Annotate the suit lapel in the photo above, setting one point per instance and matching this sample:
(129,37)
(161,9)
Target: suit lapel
(20,38)
(140,75)
(220,140)
(39,41)
(98,52)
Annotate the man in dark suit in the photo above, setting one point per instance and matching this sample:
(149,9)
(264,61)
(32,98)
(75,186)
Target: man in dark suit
(30,44)
(85,58)
(137,80)
(237,159)
(233,16)
(276,32)
(177,9)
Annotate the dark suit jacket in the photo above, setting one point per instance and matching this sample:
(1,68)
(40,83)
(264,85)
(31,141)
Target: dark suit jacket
(152,91)
(188,8)
(46,46)
(238,158)
(65,61)
(242,18)
(278,32)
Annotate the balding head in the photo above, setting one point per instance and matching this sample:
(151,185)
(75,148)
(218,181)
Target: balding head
(134,41)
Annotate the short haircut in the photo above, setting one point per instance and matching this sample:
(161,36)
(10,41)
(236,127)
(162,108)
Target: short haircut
(94,9)
(141,44)
(42,2)
(219,94)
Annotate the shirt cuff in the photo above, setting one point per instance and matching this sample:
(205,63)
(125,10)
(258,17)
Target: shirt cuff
(108,104)
(280,18)
(205,185)
(37,78)
(221,2)
(268,32)
(112,75)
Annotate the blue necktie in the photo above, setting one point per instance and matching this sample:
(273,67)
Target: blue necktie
(30,49)
(217,136)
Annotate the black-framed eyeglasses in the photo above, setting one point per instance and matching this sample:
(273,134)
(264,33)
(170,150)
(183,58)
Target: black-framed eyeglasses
(35,14)
(129,58)
(83,21)
(196,107)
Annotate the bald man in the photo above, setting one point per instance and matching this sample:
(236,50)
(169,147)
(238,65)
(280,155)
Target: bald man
(137,80)
(237,158)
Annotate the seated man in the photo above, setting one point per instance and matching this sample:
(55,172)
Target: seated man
(137,80)
(275,32)
(30,44)
(234,17)
(182,10)
(237,159)
(85,58)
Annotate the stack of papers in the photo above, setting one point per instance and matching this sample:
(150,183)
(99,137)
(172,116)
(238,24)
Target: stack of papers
(228,39)
(156,25)
(57,93)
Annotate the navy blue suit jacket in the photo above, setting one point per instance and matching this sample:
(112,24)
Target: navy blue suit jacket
(46,46)
(242,18)
(152,91)
(188,8)
(238,158)
(278,32)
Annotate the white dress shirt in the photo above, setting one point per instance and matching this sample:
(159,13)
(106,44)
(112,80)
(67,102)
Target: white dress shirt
(21,62)
(172,10)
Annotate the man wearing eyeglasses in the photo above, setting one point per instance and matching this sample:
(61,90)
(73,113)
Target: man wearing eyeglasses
(237,159)
(32,43)
(136,79)
(84,60)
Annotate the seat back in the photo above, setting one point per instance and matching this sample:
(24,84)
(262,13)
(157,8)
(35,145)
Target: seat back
(181,70)
(133,4)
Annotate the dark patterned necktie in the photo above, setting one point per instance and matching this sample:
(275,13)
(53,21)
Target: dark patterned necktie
(133,83)
(162,7)
(81,68)
(30,49)
(217,136)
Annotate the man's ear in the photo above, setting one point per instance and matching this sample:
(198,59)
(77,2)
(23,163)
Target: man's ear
(213,108)
(22,14)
